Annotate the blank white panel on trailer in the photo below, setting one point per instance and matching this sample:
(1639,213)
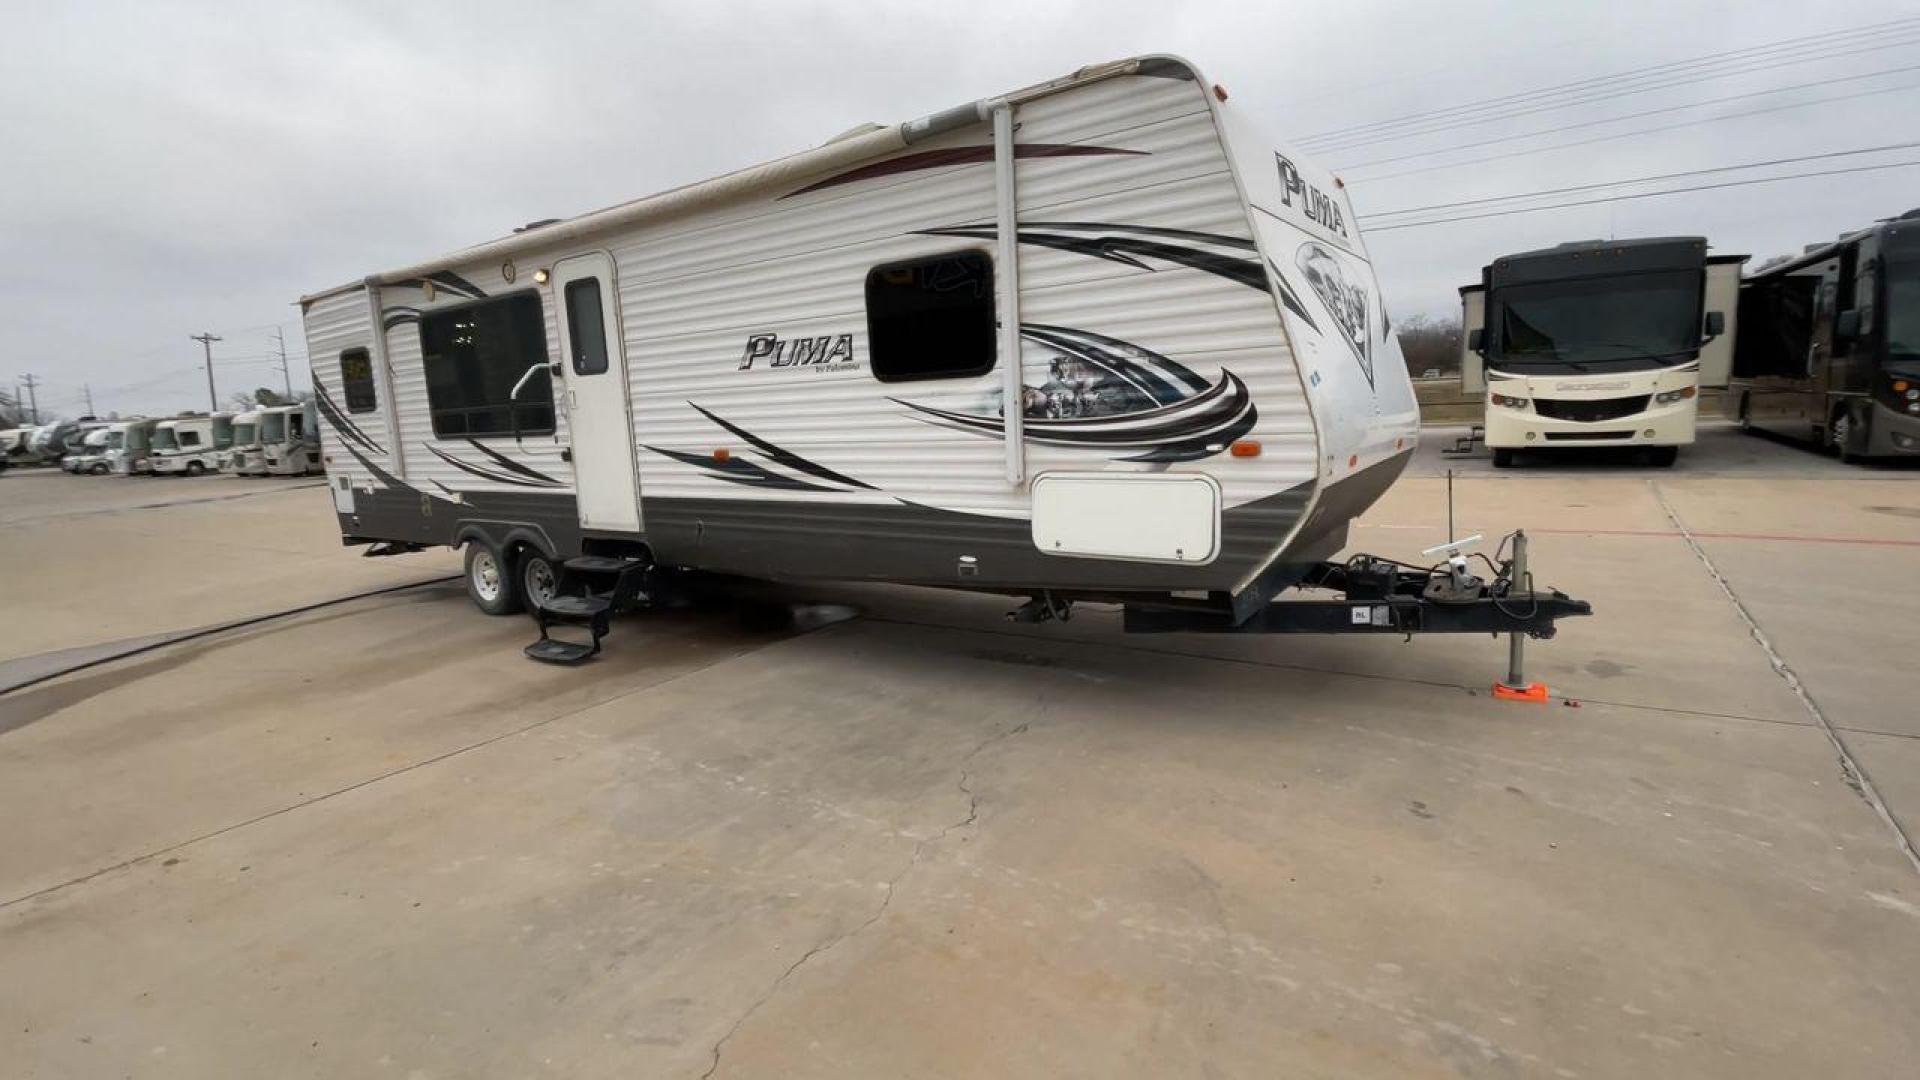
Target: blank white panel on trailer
(1161,518)
(1723,296)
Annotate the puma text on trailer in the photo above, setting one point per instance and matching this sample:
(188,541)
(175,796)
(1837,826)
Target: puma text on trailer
(1095,339)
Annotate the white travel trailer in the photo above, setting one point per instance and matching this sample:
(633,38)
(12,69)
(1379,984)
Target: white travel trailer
(191,445)
(128,444)
(1097,339)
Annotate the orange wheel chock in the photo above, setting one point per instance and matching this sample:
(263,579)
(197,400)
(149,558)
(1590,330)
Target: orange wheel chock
(1530,692)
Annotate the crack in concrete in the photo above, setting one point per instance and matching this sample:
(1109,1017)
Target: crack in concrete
(1851,770)
(919,849)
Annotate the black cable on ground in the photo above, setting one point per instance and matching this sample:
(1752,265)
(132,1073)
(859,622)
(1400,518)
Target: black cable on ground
(221,628)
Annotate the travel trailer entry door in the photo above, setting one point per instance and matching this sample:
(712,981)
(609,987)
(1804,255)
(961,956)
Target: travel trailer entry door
(587,304)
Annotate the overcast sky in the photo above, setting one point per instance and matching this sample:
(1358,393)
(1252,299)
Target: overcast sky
(174,169)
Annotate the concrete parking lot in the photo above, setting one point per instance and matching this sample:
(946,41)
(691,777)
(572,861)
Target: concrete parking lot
(907,838)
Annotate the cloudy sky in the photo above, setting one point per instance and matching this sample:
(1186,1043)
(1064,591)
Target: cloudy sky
(182,168)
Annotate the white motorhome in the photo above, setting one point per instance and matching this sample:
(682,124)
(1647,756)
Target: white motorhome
(91,457)
(16,448)
(1599,343)
(128,444)
(289,440)
(246,455)
(1097,339)
(191,445)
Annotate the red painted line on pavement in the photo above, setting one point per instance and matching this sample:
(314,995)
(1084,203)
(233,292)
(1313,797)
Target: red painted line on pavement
(1785,537)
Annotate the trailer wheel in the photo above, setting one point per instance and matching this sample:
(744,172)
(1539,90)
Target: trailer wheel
(489,584)
(1503,457)
(539,579)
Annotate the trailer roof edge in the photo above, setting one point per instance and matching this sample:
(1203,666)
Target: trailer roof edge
(836,153)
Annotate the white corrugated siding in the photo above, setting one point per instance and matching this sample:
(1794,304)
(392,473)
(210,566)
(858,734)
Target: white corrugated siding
(333,325)
(694,291)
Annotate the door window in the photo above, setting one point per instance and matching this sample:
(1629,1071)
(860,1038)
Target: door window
(586,326)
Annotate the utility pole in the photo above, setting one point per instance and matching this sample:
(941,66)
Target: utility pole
(285,379)
(206,341)
(87,389)
(31,382)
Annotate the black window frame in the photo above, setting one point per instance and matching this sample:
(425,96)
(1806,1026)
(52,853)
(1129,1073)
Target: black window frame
(514,409)
(573,326)
(877,340)
(362,395)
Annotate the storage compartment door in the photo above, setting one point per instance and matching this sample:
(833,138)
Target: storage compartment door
(1140,516)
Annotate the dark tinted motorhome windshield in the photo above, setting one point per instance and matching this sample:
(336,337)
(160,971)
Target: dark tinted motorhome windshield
(1613,322)
(244,434)
(273,428)
(1903,307)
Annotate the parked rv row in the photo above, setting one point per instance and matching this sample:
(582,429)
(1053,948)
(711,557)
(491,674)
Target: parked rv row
(282,440)
(1609,343)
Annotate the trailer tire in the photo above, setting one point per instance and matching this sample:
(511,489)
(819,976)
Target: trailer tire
(538,577)
(491,587)
(1503,457)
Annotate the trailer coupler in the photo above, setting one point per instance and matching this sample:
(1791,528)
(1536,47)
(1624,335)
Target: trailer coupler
(1379,596)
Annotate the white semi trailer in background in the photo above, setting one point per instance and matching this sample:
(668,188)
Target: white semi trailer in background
(1599,343)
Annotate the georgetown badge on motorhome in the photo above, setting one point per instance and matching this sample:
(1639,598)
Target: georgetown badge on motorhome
(1082,341)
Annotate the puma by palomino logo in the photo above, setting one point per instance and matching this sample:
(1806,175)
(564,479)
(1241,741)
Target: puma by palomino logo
(824,351)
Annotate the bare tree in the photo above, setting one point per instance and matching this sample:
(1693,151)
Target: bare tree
(1430,344)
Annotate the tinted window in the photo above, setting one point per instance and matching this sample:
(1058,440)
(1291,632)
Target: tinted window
(189,437)
(586,327)
(931,318)
(356,380)
(1591,320)
(473,355)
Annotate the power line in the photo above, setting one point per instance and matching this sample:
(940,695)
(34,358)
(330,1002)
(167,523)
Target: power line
(1593,82)
(1638,180)
(1352,143)
(1632,116)
(1643,195)
(1635,132)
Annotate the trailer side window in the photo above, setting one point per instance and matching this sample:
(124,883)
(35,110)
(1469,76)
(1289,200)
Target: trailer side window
(931,318)
(356,380)
(189,438)
(586,327)
(474,355)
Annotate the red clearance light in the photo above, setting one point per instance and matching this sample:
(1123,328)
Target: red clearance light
(722,454)
(1219,91)
(1245,448)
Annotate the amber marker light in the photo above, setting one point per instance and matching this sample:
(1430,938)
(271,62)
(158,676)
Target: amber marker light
(1245,448)
(722,454)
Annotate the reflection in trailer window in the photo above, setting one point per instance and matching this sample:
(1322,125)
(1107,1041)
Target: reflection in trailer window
(356,380)
(586,327)
(931,318)
(474,354)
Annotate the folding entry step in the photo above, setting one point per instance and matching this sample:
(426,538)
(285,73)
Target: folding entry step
(607,585)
